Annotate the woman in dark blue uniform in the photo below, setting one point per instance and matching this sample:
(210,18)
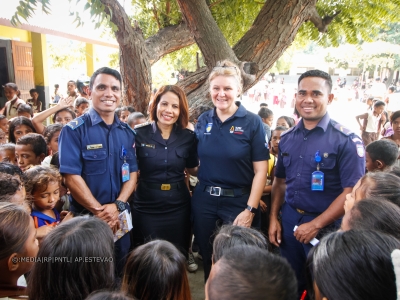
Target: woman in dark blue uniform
(164,148)
(234,155)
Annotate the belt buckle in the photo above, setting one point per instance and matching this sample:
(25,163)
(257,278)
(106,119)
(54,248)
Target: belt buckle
(215,191)
(165,187)
(300,211)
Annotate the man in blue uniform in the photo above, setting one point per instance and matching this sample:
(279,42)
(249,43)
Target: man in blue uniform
(319,162)
(97,158)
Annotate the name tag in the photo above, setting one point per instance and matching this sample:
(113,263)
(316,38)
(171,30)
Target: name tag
(149,146)
(94,146)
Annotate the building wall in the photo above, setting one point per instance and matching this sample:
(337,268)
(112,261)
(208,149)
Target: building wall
(10,33)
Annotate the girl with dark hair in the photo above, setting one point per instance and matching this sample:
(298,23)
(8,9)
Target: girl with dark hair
(285,121)
(370,214)
(156,271)
(395,137)
(164,148)
(19,127)
(353,265)
(51,134)
(77,259)
(11,93)
(17,242)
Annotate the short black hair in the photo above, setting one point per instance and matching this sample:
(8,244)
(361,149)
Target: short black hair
(37,142)
(265,112)
(379,103)
(33,91)
(320,74)
(105,70)
(384,150)
(263,104)
(394,116)
(81,100)
(392,88)
(9,168)
(254,273)
(25,108)
(134,116)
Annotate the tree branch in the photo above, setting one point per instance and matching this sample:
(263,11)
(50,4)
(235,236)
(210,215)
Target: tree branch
(321,23)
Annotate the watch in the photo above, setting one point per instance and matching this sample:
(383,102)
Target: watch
(120,205)
(251,209)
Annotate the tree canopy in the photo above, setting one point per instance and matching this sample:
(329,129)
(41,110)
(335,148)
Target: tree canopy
(252,33)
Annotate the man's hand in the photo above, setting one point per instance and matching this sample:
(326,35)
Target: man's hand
(306,232)
(245,218)
(109,213)
(275,231)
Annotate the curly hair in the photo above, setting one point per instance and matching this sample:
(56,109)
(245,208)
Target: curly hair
(51,130)
(38,178)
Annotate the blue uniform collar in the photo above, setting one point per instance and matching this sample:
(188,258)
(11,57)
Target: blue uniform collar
(157,136)
(241,112)
(323,123)
(96,119)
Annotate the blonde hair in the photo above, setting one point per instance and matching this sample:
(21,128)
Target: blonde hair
(227,68)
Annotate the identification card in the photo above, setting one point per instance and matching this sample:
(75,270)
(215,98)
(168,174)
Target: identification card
(125,172)
(317,181)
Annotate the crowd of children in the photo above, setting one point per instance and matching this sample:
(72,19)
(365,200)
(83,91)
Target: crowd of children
(45,244)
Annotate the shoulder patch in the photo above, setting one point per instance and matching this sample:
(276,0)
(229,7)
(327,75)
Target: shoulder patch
(288,131)
(142,125)
(341,128)
(75,123)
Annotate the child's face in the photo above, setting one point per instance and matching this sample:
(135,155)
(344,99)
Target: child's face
(63,117)
(396,125)
(8,156)
(355,195)
(275,139)
(124,116)
(9,93)
(81,108)
(269,120)
(24,114)
(282,122)
(26,157)
(71,87)
(4,125)
(378,110)
(3,138)
(34,95)
(53,144)
(370,164)
(30,249)
(47,200)
(21,130)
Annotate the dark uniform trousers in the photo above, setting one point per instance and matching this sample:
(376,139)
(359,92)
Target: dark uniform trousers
(209,213)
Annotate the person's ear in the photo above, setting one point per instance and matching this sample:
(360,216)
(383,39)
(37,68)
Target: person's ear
(330,98)
(42,157)
(379,164)
(12,262)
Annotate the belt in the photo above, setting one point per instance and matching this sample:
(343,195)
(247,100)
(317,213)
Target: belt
(218,191)
(164,186)
(306,213)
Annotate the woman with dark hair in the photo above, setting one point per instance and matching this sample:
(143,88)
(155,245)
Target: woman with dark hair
(19,127)
(370,214)
(285,121)
(353,265)
(77,259)
(164,148)
(395,137)
(156,271)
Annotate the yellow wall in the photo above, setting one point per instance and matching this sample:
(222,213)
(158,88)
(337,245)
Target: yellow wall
(39,52)
(90,59)
(15,34)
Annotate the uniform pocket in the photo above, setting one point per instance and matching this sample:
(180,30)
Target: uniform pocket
(94,162)
(286,161)
(146,152)
(326,163)
(183,153)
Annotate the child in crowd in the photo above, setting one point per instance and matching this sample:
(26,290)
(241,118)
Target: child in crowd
(30,150)
(43,191)
(19,127)
(81,105)
(61,112)
(124,113)
(34,102)
(381,155)
(11,92)
(51,134)
(285,121)
(17,241)
(3,137)
(4,124)
(136,118)
(156,270)
(7,153)
(395,135)
(373,121)
(267,117)
(12,190)
(25,110)
(71,89)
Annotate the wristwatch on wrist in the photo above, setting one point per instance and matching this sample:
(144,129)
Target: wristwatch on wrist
(120,205)
(251,209)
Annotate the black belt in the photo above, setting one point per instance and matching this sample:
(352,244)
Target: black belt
(218,191)
(164,186)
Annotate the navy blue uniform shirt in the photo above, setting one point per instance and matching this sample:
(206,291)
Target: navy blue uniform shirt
(164,161)
(343,163)
(227,150)
(92,149)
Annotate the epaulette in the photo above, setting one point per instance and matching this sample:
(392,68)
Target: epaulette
(341,128)
(287,131)
(142,125)
(75,123)
(190,130)
(131,129)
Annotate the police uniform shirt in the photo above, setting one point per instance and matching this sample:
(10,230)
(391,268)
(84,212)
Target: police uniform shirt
(164,161)
(343,163)
(92,149)
(227,150)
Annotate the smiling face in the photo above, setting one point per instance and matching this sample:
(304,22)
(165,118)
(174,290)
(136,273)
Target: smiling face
(224,91)
(106,94)
(168,109)
(47,199)
(313,98)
